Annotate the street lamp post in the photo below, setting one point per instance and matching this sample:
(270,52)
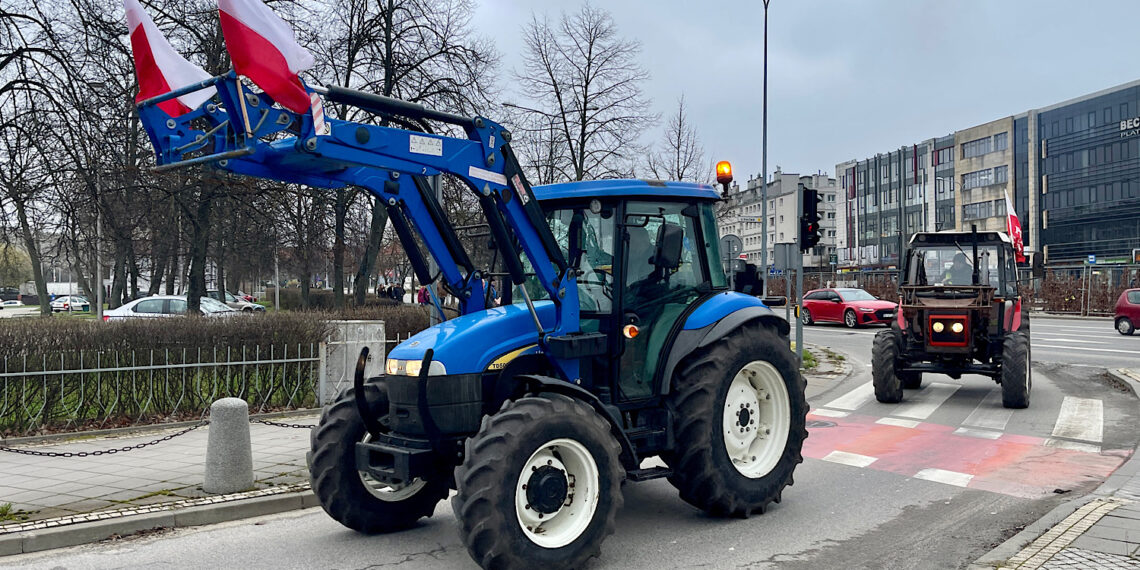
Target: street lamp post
(764,166)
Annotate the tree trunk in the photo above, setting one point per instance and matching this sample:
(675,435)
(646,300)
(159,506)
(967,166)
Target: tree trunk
(340,212)
(133,264)
(199,244)
(158,265)
(118,283)
(375,235)
(30,244)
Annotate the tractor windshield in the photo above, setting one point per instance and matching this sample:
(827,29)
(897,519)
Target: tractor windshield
(953,265)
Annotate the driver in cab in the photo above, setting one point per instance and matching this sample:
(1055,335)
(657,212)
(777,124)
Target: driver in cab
(960,272)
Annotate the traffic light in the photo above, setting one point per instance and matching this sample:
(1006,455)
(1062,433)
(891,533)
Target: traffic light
(809,219)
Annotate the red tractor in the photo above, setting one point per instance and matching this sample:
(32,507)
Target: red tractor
(960,313)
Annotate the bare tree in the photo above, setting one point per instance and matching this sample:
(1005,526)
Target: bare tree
(589,80)
(679,154)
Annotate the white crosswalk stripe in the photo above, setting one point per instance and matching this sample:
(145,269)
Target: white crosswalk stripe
(854,399)
(990,414)
(923,403)
(1081,419)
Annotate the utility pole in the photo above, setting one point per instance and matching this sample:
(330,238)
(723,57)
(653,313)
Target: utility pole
(764,166)
(276,274)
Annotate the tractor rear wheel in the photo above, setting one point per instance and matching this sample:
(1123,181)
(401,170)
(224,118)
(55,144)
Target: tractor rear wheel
(540,485)
(740,415)
(884,359)
(353,497)
(1016,375)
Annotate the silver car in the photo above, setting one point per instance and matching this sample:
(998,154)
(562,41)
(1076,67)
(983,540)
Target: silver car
(70,303)
(236,303)
(164,306)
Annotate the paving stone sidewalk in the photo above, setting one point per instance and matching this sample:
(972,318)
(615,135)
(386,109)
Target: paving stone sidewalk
(40,488)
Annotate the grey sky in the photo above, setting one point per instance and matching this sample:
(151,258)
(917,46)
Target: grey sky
(850,78)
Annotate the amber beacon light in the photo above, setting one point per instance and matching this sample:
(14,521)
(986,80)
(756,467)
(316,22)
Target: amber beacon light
(724,174)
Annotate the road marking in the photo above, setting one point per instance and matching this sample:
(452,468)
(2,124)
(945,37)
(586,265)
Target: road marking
(990,414)
(854,399)
(944,476)
(1080,419)
(899,423)
(926,401)
(1073,340)
(1084,349)
(829,413)
(852,459)
(1073,445)
(979,433)
(1037,324)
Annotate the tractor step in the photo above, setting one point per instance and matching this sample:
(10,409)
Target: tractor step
(638,475)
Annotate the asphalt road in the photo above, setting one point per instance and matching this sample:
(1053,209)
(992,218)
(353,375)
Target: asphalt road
(934,482)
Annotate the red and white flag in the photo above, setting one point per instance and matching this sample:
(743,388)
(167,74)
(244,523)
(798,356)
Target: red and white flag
(264,49)
(1013,227)
(159,68)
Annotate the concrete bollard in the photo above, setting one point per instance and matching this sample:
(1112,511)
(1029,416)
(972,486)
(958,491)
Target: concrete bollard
(229,459)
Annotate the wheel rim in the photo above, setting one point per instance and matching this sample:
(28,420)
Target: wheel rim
(756,419)
(1123,326)
(849,318)
(563,508)
(384,491)
(806,318)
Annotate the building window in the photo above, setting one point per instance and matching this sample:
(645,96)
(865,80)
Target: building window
(980,178)
(1092,119)
(1001,141)
(1068,125)
(1001,174)
(1123,111)
(1107,115)
(978,147)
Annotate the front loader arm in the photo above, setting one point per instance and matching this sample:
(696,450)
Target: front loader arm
(244,132)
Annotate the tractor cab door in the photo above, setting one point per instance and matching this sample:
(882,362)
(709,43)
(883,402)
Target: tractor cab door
(662,276)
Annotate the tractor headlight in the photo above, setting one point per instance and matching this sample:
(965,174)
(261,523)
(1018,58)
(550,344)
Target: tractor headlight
(956,327)
(397,367)
(949,330)
(938,327)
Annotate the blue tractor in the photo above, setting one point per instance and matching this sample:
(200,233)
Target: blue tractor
(616,339)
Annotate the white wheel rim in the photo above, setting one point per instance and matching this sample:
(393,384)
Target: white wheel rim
(560,528)
(849,318)
(806,316)
(756,419)
(1122,326)
(384,491)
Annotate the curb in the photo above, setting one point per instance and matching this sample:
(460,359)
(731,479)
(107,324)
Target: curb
(1006,550)
(140,429)
(846,370)
(1043,314)
(85,533)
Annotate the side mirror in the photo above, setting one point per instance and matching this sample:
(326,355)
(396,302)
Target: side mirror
(836,300)
(775,301)
(670,238)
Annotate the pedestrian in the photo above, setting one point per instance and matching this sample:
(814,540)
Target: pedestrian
(421,295)
(398,293)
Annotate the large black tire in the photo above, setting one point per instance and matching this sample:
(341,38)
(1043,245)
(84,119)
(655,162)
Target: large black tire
(911,380)
(338,485)
(884,358)
(1016,372)
(703,471)
(491,475)
(1124,326)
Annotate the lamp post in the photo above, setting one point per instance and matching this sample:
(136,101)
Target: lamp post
(764,165)
(98,228)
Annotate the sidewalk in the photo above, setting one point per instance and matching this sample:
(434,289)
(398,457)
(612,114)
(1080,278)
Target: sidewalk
(43,499)
(1098,531)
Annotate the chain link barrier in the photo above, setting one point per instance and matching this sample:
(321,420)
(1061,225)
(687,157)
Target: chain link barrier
(125,449)
(278,424)
(99,452)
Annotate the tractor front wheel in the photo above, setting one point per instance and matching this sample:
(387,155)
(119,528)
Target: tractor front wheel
(884,359)
(740,415)
(352,497)
(1016,375)
(540,485)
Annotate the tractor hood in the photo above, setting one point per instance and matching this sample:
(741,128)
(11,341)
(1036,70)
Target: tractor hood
(468,344)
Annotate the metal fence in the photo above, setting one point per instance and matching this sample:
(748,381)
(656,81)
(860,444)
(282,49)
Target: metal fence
(98,389)
(1086,290)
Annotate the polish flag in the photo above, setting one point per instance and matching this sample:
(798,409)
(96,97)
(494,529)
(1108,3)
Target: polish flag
(264,49)
(1013,227)
(159,68)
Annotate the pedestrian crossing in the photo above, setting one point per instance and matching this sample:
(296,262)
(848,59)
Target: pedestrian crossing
(954,434)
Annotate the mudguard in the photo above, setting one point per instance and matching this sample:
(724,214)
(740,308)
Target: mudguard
(712,318)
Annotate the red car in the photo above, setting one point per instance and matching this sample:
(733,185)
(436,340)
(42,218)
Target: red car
(1128,311)
(852,307)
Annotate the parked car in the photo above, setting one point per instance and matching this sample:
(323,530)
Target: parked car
(852,307)
(165,306)
(1128,311)
(70,303)
(236,303)
(11,303)
(245,296)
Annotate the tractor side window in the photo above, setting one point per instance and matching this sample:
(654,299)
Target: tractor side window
(595,243)
(712,247)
